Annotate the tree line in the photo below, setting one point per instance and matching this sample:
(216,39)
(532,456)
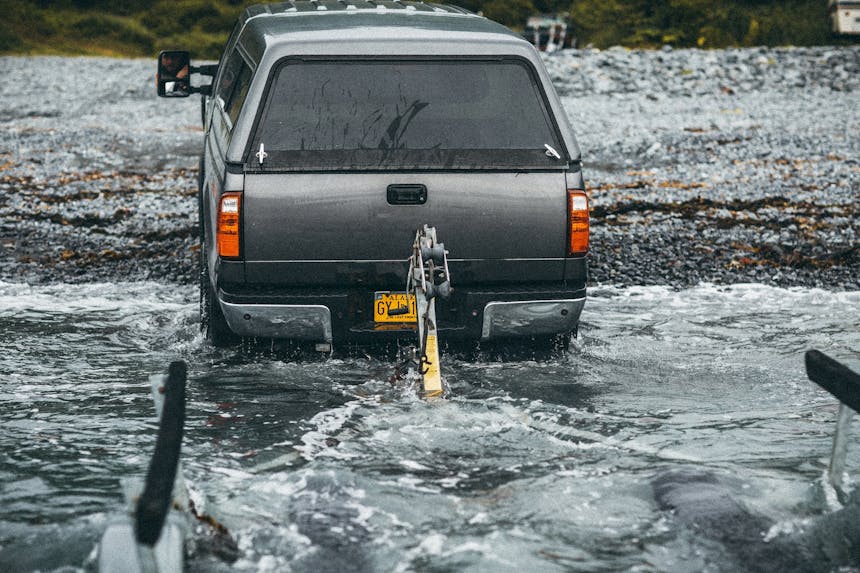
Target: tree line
(142,27)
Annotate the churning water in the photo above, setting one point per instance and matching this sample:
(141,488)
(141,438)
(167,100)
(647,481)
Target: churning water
(527,466)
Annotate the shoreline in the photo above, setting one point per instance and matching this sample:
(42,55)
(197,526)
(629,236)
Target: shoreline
(703,166)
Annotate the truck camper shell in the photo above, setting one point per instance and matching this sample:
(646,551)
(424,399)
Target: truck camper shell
(266,34)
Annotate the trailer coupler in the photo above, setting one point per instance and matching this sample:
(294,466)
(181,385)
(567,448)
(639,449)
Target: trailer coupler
(427,280)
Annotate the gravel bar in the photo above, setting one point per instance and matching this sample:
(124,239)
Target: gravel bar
(720,166)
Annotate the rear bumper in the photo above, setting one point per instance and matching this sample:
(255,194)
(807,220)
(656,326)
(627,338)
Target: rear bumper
(296,321)
(330,316)
(530,318)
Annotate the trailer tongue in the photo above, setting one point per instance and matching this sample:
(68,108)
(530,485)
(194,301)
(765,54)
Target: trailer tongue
(428,279)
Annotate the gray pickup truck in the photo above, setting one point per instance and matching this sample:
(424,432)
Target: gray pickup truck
(335,129)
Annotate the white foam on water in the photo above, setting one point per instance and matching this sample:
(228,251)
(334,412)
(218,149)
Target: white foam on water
(748,326)
(135,298)
(327,425)
(716,296)
(414,466)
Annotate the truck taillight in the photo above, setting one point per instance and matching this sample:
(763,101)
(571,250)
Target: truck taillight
(577,214)
(229,211)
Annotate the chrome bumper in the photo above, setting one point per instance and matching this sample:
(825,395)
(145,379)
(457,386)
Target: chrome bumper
(313,322)
(530,317)
(299,322)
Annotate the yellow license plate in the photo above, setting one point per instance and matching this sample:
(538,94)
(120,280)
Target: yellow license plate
(386,302)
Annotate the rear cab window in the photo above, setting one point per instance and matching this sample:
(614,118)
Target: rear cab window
(371,114)
(233,86)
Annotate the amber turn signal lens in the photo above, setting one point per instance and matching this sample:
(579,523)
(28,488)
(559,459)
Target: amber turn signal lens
(229,211)
(577,211)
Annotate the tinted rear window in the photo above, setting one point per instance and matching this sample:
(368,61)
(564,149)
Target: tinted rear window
(404,114)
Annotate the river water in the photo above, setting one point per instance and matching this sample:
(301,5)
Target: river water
(323,465)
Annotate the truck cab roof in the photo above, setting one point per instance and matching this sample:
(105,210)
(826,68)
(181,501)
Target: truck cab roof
(285,26)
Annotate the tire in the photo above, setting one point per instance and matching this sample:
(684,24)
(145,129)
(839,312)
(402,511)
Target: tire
(212,322)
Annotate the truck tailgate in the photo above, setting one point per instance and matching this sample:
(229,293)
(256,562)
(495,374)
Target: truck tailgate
(324,229)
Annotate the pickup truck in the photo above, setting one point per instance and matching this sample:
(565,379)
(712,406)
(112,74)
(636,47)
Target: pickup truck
(335,129)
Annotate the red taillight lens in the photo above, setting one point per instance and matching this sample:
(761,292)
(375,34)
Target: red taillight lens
(229,215)
(577,212)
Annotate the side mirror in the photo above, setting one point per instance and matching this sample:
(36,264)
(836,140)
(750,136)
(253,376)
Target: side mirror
(174,74)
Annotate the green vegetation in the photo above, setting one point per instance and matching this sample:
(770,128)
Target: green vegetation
(704,23)
(142,27)
(128,28)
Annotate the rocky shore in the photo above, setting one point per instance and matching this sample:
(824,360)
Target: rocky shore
(720,166)
(703,166)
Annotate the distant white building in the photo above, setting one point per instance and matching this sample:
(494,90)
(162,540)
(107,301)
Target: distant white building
(845,16)
(549,32)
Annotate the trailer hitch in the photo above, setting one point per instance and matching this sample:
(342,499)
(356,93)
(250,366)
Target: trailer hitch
(428,279)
